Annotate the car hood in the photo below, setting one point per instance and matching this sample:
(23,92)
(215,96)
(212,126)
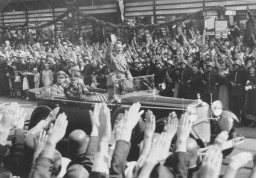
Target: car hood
(148,99)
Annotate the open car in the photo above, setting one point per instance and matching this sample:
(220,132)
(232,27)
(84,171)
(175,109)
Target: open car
(143,92)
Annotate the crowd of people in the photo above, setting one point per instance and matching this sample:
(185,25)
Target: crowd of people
(104,152)
(188,62)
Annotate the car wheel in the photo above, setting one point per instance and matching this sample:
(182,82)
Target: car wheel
(40,113)
(137,133)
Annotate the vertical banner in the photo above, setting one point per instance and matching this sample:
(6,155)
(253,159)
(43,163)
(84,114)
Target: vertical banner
(120,9)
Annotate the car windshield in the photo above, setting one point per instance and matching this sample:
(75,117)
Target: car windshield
(138,84)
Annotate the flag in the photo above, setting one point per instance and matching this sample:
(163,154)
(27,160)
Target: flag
(120,9)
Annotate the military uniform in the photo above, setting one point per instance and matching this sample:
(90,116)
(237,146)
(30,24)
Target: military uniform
(185,89)
(212,80)
(238,80)
(119,69)
(77,93)
(58,89)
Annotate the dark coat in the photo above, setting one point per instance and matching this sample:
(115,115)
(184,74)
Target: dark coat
(238,78)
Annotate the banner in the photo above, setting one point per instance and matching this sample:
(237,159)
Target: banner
(221,29)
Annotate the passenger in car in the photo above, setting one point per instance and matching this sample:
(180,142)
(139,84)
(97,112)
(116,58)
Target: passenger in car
(77,90)
(58,89)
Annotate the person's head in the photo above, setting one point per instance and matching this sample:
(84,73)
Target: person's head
(223,66)
(35,70)
(179,29)
(169,64)
(211,45)
(252,70)
(183,64)
(217,108)
(190,59)
(61,77)
(118,48)
(74,79)
(249,63)
(78,142)
(210,66)
(7,43)
(136,63)
(236,65)
(147,62)
(195,68)
(236,49)
(30,59)
(226,43)
(206,47)
(157,65)
(76,171)
(47,66)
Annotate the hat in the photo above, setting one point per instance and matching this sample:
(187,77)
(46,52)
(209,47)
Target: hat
(195,65)
(147,60)
(30,57)
(136,61)
(76,171)
(77,142)
(170,62)
(76,74)
(184,61)
(62,74)
(46,64)
(14,55)
(237,62)
(210,64)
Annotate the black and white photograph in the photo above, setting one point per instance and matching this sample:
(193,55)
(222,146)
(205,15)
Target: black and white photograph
(128,89)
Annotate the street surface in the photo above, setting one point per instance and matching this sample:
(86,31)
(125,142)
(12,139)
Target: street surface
(249,143)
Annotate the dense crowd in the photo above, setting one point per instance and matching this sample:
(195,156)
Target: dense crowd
(105,151)
(188,62)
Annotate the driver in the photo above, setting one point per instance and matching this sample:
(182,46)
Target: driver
(118,67)
(58,89)
(77,90)
(223,121)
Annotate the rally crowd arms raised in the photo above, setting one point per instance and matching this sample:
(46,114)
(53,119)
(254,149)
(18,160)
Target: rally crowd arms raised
(185,63)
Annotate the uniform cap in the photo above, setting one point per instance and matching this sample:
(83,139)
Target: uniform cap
(184,61)
(237,62)
(62,73)
(210,64)
(170,62)
(77,142)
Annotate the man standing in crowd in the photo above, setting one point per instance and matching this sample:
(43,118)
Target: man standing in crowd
(186,74)
(212,80)
(238,81)
(118,67)
(4,84)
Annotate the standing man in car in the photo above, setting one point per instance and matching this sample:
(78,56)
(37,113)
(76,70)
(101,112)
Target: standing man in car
(118,66)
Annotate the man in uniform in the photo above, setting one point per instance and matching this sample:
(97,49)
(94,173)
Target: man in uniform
(170,77)
(58,66)
(186,74)
(4,84)
(238,81)
(212,80)
(138,69)
(58,89)
(77,90)
(118,67)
